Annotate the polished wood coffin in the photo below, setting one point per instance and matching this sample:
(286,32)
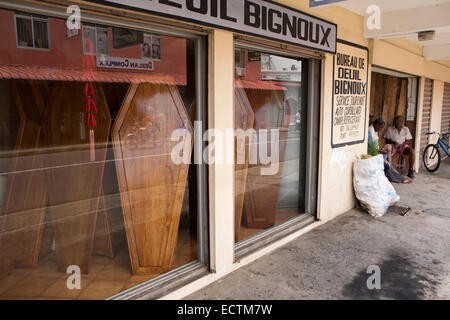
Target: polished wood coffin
(74,181)
(261,195)
(152,186)
(25,197)
(243,119)
(109,229)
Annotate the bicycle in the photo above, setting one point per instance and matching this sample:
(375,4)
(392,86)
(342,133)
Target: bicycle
(430,161)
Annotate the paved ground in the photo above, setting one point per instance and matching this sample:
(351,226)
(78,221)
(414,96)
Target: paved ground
(331,261)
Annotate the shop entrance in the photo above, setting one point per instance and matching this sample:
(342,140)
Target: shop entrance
(394,94)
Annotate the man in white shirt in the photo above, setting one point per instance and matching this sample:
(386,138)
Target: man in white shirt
(375,127)
(401,139)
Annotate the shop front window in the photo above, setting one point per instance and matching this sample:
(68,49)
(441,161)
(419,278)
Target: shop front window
(88,181)
(270,119)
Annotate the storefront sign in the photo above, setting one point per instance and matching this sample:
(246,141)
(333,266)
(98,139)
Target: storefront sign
(321,3)
(349,94)
(124,63)
(256,17)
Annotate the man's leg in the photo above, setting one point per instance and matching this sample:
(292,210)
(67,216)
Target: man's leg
(389,149)
(409,154)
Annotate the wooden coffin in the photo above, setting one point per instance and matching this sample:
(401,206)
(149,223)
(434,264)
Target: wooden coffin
(25,197)
(243,119)
(152,186)
(261,196)
(109,230)
(74,181)
(109,227)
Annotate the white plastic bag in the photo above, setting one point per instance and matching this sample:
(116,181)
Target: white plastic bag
(374,191)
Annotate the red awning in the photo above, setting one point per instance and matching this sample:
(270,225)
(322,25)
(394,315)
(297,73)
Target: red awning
(289,84)
(259,85)
(46,73)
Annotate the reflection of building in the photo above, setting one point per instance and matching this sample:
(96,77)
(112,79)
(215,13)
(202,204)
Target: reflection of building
(47,45)
(271,72)
(281,69)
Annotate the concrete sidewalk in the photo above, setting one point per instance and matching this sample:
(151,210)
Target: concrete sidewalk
(330,262)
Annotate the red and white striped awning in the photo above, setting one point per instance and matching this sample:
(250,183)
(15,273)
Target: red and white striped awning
(258,85)
(57,74)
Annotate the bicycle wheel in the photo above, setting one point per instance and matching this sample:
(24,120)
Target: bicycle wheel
(431,158)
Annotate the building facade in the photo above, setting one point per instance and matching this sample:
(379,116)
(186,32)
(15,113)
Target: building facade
(154,147)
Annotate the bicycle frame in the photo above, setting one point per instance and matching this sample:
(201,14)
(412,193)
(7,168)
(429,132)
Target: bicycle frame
(444,146)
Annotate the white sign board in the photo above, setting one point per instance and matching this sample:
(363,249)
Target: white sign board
(256,17)
(350,87)
(124,63)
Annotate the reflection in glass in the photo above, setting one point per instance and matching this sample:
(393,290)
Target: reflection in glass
(85,173)
(269,195)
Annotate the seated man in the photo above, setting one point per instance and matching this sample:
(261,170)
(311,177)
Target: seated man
(375,127)
(401,139)
(392,174)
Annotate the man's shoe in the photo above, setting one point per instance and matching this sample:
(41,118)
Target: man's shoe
(411,174)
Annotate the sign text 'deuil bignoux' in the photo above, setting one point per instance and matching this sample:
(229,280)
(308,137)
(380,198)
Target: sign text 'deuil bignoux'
(256,17)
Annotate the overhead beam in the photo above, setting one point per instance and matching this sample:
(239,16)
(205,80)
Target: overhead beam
(439,39)
(403,22)
(437,52)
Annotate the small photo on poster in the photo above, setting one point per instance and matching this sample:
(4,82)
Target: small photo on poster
(103,41)
(147,47)
(156,48)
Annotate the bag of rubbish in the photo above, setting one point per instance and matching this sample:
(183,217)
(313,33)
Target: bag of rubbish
(373,190)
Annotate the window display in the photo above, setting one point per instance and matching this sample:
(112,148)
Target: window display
(268,108)
(86,178)
(152,186)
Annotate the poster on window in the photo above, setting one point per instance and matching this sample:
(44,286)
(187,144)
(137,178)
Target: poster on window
(350,85)
(147,47)
(89,40)
(156,48)
(103,41)
(123,38)
(151,47)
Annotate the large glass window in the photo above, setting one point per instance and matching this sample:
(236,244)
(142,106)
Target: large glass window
(270,119)
(90,137)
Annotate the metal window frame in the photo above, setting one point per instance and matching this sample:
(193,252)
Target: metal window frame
(264,238)
(178,277)
(32,19)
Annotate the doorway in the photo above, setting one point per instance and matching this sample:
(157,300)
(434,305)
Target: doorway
(394,94)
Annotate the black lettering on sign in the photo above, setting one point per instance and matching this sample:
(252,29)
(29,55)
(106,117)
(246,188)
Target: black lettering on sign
(202,9)
(291,25)
(274,27)
(312,37)
(261,18)
(170,3)
(252,14)
(214,10)
(302,29)
(326,34)
(224,11)
(264,18)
